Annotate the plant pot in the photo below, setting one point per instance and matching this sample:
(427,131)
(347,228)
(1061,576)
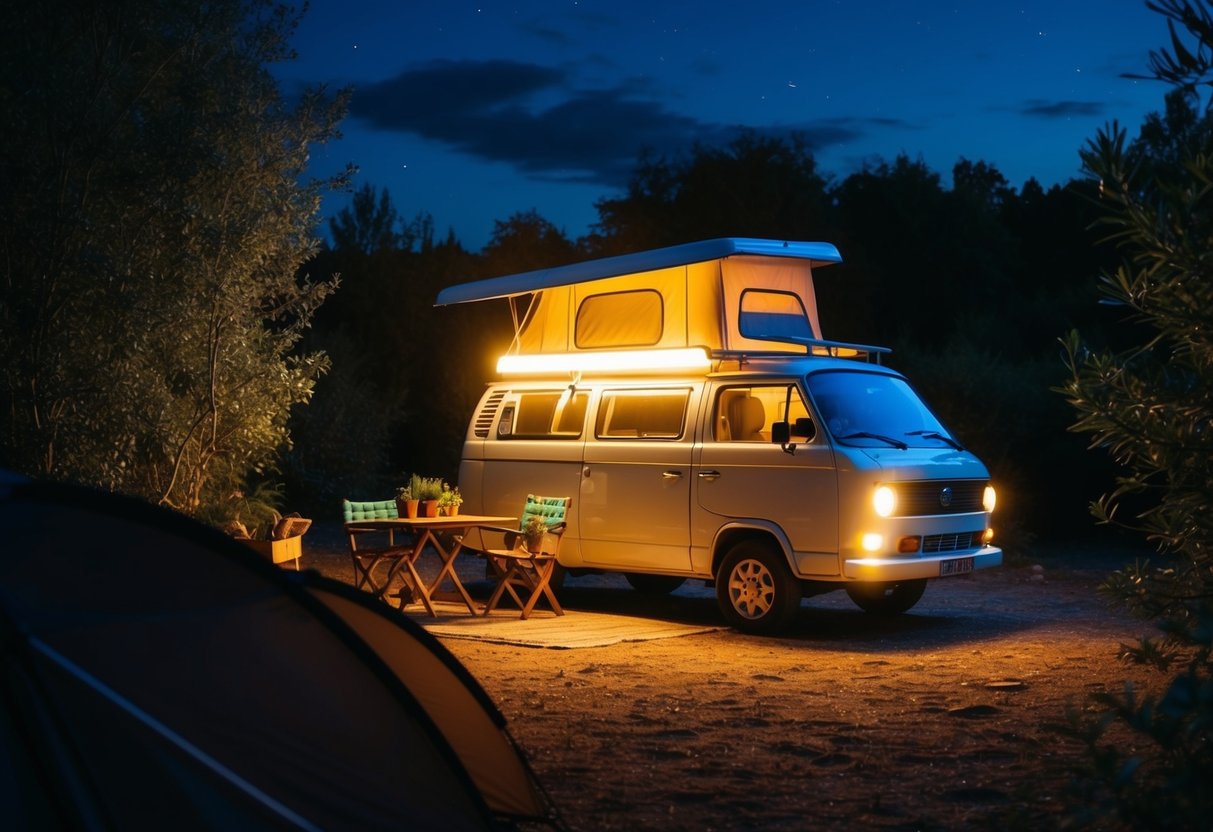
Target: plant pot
(452,511)
(410,508)
(429,508)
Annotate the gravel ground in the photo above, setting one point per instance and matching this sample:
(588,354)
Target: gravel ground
(942,718)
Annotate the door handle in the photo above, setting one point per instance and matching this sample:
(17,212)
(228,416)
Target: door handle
(671,475)
(709,475)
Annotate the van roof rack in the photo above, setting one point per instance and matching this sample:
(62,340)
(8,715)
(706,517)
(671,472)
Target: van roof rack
(813,346)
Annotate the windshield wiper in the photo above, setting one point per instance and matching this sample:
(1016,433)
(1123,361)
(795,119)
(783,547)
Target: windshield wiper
(863,434)
(934,434)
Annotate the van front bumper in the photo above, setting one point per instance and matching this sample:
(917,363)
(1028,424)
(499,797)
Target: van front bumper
(912,568)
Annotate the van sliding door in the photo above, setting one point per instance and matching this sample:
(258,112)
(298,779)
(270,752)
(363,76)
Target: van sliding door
(634,506)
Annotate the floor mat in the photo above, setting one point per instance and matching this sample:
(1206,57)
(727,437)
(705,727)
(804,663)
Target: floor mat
(545,629)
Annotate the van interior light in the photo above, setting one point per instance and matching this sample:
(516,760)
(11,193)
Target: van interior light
(690,358)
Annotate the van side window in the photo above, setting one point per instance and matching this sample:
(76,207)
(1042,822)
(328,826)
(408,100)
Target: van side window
(544,414)
(745,414)
(642,414)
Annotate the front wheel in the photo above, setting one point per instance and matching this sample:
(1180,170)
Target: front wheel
(892,598)
(755,589)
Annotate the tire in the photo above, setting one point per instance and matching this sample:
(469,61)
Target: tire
(755,589)
(891,598)
(653,584)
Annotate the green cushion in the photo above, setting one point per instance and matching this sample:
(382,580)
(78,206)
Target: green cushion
(551,509)
(372,510)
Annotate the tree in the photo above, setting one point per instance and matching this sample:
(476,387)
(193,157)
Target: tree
(155,222)
(754,186)
(1151,407)
(524,242)
(366,226)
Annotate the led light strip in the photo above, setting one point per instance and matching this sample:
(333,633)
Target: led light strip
(690,358)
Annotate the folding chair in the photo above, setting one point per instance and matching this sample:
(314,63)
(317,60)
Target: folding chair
(360,520)
(518,569)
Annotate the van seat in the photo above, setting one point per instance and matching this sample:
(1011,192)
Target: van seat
(747,418)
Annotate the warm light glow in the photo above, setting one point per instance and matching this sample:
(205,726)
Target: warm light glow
(987,537)
(691,358)
(909,545)
(872,542)
(989,498)
(884,501)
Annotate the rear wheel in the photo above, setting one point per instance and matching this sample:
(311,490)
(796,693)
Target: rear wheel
(653,584)
(755,589)
(892,598)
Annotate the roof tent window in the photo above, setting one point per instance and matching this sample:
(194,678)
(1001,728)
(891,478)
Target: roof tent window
(619,319)
(772,316)
(642,414)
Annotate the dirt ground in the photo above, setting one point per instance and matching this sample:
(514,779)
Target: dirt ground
(935,720)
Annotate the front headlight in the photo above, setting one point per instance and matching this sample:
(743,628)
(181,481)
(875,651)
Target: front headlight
(989,498)
(884,500)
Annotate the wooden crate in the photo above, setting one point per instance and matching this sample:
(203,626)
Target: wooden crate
(280,551)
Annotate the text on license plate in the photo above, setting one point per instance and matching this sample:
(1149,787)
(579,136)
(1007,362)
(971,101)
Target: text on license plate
(956,566)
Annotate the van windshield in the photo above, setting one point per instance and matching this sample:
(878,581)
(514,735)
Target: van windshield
(870,410)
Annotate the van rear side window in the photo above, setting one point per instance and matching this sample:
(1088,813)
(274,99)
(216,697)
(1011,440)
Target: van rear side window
(642,414)
(546,414)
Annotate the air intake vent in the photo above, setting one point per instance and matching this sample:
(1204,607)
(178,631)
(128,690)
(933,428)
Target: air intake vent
(933,544)
(484,419)
(927,497)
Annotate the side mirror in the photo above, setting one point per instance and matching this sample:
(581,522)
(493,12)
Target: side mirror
(805,427)
(780,433)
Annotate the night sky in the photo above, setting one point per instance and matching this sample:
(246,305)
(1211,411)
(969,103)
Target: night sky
(475,111)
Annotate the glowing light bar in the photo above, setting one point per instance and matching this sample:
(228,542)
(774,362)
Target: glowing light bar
(690,358)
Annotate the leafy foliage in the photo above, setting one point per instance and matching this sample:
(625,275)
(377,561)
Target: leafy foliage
(1150,406)
(149,303)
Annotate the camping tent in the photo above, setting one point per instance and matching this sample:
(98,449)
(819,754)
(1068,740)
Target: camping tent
(157,674)
(732,293)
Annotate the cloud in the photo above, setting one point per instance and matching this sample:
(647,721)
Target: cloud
(1039,108)
(532,117)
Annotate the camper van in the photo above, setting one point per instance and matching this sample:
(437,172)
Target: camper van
(687,402)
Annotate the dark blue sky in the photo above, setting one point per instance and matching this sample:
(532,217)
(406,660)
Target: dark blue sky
(474,111)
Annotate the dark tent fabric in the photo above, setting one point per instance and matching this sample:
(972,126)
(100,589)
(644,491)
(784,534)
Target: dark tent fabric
(158,674)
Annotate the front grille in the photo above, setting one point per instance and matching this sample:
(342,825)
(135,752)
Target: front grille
(926,497)
(484,419)
(933,544)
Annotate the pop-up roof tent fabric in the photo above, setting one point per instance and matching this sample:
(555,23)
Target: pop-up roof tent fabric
(725,294)
(160,675)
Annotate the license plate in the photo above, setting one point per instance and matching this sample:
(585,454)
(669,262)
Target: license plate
(956,566)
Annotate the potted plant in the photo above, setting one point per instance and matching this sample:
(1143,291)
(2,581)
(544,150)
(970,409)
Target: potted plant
(532,534)
(406,502)
(428,490)
(450,500)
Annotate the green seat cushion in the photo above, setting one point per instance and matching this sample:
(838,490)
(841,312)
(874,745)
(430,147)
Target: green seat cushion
(368,510)
(551,509)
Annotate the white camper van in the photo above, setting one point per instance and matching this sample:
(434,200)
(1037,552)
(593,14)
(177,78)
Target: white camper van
(686,401)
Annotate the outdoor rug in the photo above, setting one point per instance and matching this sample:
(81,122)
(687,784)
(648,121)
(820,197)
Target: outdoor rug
(545,629)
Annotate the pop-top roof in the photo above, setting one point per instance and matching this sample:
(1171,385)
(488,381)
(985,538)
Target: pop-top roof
(818,254)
